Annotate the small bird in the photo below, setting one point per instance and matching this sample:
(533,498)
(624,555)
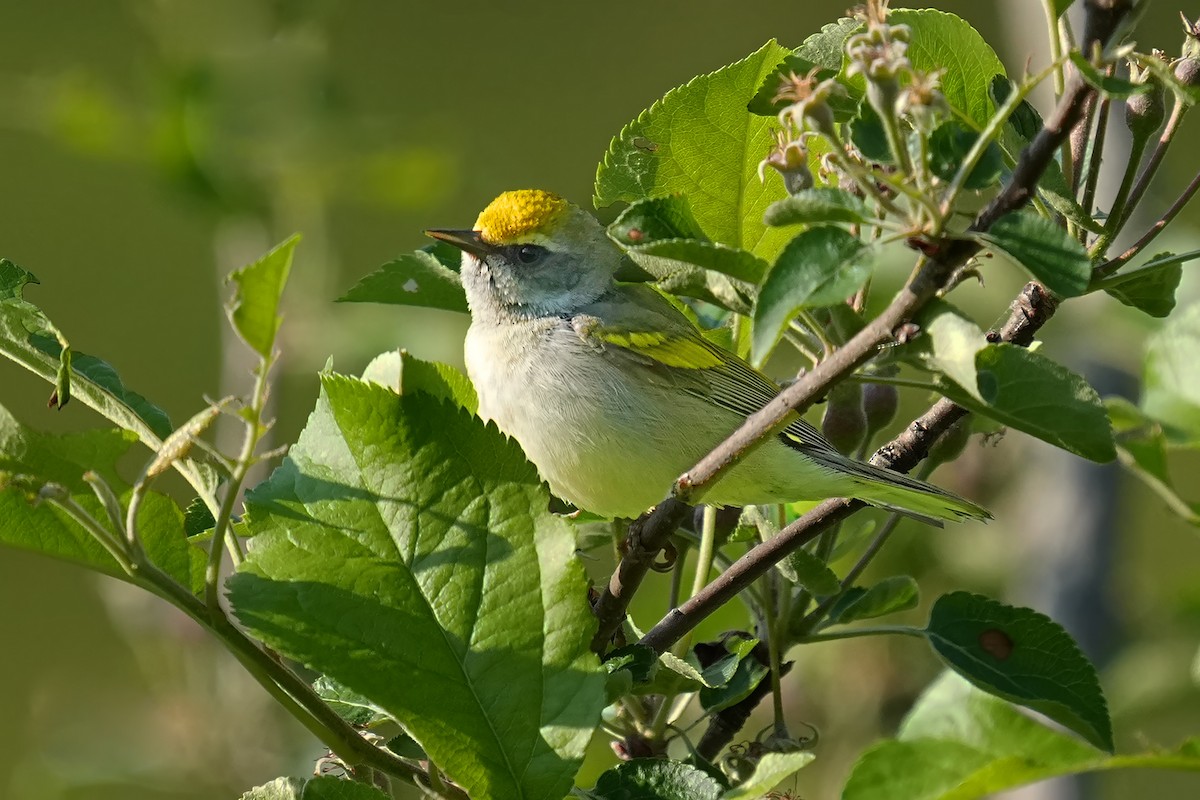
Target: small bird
(613,393)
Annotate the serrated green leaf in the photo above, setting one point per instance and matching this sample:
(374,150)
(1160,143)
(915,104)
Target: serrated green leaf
(324,787)
(1022,656)
(941,40)
(44,529)
(819,267)
(1043,248)
(950,143)
(655,779)
(13,280)
(959,743)
(258,288)
(404,373)
(815,206)
(1032,393)
(1110,85)
(1171,382)
(670,257)
(405,549)
(418,278)
(771,770)
(704,144)
(897,593)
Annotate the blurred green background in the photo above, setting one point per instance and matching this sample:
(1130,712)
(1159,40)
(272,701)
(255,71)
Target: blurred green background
(147,148)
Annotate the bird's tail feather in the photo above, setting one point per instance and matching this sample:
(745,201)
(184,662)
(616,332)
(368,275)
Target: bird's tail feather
(893,490)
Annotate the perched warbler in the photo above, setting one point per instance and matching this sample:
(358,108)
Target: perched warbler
(613,393)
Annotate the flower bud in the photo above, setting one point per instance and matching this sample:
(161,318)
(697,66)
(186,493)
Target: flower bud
(845,422)
(1187,71)
(1144,113)
(880,401)
(950,444)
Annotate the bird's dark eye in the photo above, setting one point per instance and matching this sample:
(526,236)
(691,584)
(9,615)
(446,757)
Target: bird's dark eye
(529,253)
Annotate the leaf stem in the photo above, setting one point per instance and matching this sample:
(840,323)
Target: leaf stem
(1093,158)
(854,633)
(245,460)
(1056,56)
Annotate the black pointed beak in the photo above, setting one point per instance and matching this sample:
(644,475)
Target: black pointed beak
(470,241)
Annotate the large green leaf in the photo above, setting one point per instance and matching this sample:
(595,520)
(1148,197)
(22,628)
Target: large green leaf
(1043,248)
(699,140)
(1171,382)
(959,743)
(941,40)
(897,593)
(254,308)
(1041,397)
(405,549)
(820,267)
(822,51)
(1022,656)
(42,528)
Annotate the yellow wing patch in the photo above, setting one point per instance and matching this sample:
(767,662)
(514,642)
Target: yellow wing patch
(670,350)
(517,215)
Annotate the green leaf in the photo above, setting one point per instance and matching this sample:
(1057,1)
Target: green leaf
(950,143)
(942,40)
(654,219)
(1043,248)
(324,787)
(661,236)
(1039,396)
(411,279)
(749,673)
(820,267)
(655,779)
(13,280)
(404,373)
(1171,382)
(959,743)
(41,458)
(955,342)
(1025,119)
(699,140)
(804,569)
(815,206)
(1022,656)
(867,133)
(897,593)
(1151,287)
(823,50)
(349,704)
(405,549)
(1109,85)
(258,288)
(772,769)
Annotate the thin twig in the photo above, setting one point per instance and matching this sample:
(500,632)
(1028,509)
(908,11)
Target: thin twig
(1109,267)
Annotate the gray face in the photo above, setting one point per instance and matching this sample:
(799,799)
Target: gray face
(526,279)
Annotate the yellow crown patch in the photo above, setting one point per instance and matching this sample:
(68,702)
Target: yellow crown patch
(516,215)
